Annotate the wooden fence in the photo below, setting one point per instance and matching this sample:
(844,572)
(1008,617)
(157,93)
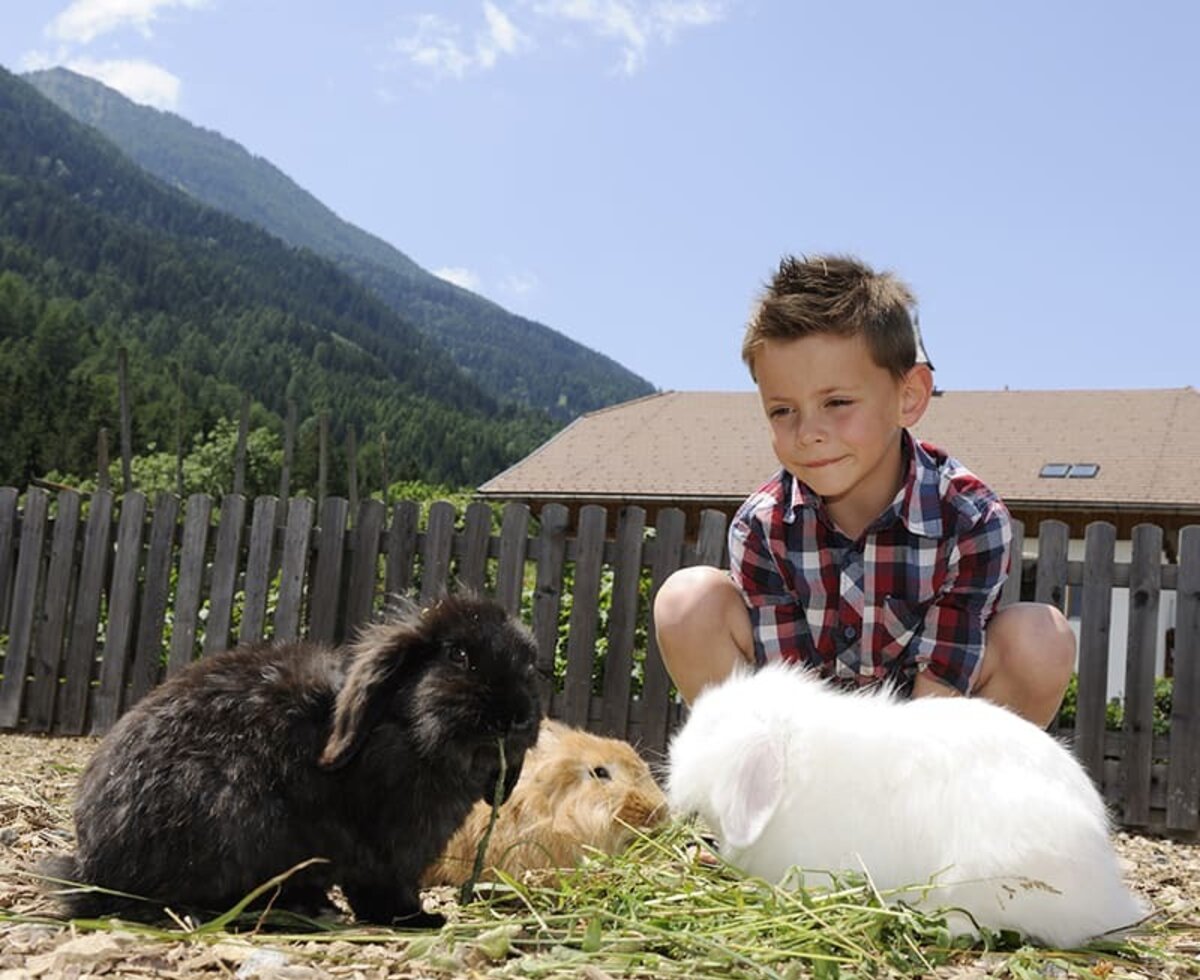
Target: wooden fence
(101,597)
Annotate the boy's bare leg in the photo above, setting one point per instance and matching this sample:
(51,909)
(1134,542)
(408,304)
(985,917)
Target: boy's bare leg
(702,627)
(1028,659)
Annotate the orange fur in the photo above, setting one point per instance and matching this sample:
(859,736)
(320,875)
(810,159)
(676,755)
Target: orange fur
(559,808)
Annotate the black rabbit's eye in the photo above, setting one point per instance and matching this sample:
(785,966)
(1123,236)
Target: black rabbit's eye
(458,657)
(601,772)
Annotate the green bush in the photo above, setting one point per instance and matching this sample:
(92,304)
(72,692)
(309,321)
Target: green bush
(1114,714)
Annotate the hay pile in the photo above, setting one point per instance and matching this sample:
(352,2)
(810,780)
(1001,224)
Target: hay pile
(659,911)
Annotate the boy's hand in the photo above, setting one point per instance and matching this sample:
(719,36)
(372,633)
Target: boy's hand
(925,685)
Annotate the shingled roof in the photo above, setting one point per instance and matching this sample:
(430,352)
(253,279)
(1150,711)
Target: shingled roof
(712,448)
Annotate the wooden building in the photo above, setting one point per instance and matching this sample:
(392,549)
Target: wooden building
(1126,457)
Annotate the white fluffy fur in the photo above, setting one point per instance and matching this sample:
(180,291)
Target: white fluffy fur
(958,793)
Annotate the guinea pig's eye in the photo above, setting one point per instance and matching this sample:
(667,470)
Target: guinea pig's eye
(601,772)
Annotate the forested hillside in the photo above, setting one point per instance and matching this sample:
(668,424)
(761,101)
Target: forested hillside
(95,255)
(510,357)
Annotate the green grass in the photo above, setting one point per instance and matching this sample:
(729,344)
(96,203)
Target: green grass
(660,911)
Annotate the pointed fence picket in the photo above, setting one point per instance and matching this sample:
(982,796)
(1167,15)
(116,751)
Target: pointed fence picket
(103,597)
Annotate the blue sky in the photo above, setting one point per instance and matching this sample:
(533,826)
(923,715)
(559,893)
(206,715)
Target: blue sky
(629,173)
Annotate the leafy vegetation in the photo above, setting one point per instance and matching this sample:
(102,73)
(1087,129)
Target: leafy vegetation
(96,256)
(1114,712)
(510,357)
(666,908)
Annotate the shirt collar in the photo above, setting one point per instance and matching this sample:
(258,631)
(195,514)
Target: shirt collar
(917,503)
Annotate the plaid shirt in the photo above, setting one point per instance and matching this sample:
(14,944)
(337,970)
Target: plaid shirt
(913,593)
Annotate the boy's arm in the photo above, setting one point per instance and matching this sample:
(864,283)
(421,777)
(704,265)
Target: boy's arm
(949,642)
(777,623)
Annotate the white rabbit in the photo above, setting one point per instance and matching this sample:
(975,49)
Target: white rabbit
(959,794)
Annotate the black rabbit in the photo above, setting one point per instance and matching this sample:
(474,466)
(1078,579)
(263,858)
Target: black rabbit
(252,761)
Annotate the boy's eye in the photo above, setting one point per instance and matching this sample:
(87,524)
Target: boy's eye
(778,412)
(839,402)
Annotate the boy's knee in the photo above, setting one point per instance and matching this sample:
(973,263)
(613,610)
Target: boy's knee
(1052,641)
(1036,643)
(702,627)
(687,594)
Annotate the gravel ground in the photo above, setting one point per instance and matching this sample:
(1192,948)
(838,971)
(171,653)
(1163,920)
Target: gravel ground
(37,776)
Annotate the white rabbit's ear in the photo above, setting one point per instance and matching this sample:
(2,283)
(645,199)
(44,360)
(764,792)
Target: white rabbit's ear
(746,801)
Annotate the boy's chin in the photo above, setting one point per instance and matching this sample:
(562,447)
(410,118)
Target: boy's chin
(825,483)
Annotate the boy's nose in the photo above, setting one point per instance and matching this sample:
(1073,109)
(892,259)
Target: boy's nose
(808,432)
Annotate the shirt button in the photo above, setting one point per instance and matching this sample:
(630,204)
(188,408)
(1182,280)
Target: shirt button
(849,632)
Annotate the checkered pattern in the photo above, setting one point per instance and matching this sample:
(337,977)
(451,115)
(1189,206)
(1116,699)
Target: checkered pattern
(913,593)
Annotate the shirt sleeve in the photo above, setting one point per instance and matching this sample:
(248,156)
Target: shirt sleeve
(950,640)
(777,621)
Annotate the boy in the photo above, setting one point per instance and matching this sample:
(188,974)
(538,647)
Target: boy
(870,556)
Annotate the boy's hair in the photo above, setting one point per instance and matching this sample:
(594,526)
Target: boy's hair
(836,294)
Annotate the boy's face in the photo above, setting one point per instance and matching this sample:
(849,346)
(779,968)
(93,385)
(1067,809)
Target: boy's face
(835,418)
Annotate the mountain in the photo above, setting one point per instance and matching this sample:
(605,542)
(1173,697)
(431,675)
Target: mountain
(97,255)
(511,357)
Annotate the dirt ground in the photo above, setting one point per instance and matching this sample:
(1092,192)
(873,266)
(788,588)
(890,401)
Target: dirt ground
(37,777)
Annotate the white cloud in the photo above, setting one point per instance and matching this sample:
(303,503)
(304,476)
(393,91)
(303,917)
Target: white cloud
(445,48)
(520,283)
(85,20)
(437,44)
(459,276)
(502,36)
(141,81)
(633,24)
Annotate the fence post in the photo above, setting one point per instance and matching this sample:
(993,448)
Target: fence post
(710,539)
(147,648)
(435,556)
(122,608)
(1145,579)
(81,647)
(47,658)
(8,526)
(1183,768)
(364,565)
(226,559)
(477,535)
(1011,590)
(259,563)
(25,593)
(622,620)
(547,589)
(1053,538)
(1095,620)
(656,690)
(325,586)
(192,552)
(585,607)
(510,571)
(293,566)
(401,548)
(477,531)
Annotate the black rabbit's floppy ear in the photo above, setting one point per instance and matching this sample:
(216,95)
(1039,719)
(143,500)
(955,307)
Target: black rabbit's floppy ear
(377,655)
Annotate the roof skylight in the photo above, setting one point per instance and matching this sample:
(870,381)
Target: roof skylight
(1056,471)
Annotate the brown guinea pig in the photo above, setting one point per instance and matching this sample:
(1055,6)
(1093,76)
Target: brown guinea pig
(577,791)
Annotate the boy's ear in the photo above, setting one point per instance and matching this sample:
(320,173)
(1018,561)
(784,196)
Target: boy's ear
(915,391)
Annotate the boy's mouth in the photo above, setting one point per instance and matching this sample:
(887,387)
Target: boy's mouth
(819,463)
